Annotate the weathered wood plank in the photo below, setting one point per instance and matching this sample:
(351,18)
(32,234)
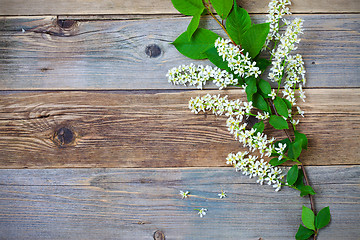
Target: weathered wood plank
(134,203)
(109,54)
(155,130)
(52,7)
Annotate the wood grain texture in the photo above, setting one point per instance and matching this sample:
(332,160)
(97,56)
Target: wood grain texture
(67,7)
(156,130)
(111,54)
(134,203)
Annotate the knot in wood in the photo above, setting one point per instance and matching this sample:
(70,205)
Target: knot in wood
(251,120)
(64,136)
(153,50)
(159,235)
(65,24)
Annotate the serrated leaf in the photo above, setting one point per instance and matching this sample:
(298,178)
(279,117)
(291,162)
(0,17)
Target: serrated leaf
(303,233)
(259,127)
(305,190)
(251,88)
(264,87)
(323,218)
(281,107)
(308,218)
(254,38)
(195,48)
(193,25)
(259,102)
(237,23)
(214,57)
(292,175)
(294,150)
(287,102)
(275,161)
(300,137)
(189,7)
(222,7)
(278,122)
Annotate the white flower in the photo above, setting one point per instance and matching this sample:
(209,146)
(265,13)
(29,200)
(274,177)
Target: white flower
(202,212)
(184,194)
(295,122)
(272,94)
(280,149)
(300,111)
(302,93)
(222,194)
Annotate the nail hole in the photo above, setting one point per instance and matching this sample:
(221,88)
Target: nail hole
(313,63)
(153,50)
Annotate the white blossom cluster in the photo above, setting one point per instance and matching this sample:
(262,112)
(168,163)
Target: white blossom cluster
(277,9)
(236,111)
(250,138)
(220,105)
(281,53)
(237,61)
(291,67)
(198,76)
(253,167)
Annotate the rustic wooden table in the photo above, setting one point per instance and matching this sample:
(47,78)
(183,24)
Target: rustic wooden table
(95,144)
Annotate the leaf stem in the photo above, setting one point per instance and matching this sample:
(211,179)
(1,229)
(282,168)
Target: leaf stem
(221,25)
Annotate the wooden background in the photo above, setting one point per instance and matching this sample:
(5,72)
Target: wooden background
(95,144)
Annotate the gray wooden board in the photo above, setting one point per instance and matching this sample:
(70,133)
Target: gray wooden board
(111,54)
(38,7)
(133,203)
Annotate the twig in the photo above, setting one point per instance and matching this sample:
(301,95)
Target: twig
(312,203)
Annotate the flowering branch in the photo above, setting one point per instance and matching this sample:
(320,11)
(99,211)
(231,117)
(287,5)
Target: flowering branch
(242,66)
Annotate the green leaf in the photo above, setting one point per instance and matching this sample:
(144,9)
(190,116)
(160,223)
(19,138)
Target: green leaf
(278,122)
(189,7)
(260,103)
(262,63)
(300,137)
(305,190)
(193,26)
(264,87)
(281,107)
(294,150)
(259,127)
(292,175)
(323,218)
(214,57)
(237,23)
(222,7)
(251,88)
(275,161)
(299,182)
(303,233)
(308,218)
(287,102)
(254,38)
(195,48)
